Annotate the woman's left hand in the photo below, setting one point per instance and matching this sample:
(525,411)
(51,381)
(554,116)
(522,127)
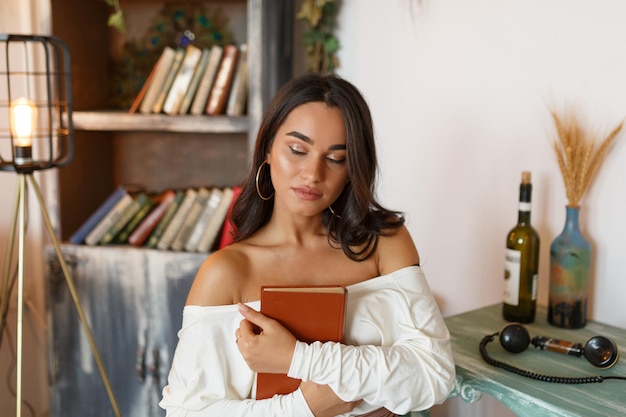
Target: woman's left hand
(269,350)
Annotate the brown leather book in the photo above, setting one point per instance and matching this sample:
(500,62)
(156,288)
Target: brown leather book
(223,81)
(310,313)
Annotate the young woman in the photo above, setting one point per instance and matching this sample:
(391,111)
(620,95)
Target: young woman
(308,215)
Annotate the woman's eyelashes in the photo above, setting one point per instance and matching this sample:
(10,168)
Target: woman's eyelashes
(296,151)
(333,158)
(336,159)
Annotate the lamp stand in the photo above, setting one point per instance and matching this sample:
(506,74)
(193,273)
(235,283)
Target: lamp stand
(20,209)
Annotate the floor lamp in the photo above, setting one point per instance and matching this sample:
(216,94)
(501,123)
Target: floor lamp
(36,119)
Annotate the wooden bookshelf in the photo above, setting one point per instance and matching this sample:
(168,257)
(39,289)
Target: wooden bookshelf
(158,151)
(121,121)
(135,295)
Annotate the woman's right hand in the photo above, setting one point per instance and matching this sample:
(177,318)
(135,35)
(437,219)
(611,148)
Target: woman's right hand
(323,401)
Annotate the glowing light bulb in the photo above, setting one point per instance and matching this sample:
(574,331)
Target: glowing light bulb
(23,120)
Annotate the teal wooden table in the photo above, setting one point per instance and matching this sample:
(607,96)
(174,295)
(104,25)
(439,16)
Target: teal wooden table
(529,397)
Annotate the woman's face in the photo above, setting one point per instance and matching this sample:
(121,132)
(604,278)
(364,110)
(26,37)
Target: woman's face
(308,159)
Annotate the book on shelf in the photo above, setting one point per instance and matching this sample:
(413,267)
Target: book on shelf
(226,236)
(205,215)
(223,80)
(81,233)
(177,221)
(209,236)
(142,232)
(202,195)
(109,219)
(182,80)
(123,219)
(236,105)
(310,313)
(161,68)
(145,207)
(169,80)
(198,105)
(195,82)
(158,231)
(134,107)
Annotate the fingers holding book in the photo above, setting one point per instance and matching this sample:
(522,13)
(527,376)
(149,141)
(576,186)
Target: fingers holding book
(264,343)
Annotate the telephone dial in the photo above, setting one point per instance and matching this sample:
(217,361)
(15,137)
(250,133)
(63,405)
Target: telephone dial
(600,351)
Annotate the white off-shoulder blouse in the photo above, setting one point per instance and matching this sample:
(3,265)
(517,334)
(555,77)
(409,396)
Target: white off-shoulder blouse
(396,355)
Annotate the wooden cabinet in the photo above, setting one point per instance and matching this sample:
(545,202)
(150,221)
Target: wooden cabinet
(528,396)
(133,300)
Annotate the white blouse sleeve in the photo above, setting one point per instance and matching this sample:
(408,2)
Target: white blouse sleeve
(409,366)
(209,378)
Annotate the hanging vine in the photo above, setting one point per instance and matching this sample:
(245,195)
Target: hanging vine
(116,18)
(319,40)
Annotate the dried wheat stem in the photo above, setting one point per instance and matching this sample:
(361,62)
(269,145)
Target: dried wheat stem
(575,154)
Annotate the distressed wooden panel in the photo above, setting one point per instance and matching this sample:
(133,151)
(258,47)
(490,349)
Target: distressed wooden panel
(133,300)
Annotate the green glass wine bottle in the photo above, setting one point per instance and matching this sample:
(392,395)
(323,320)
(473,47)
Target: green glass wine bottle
(522,262)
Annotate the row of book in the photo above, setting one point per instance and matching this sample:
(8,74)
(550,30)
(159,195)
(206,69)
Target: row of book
(211,81)
(191,220)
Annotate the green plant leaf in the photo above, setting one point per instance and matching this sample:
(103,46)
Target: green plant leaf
(331,45)
(116,20)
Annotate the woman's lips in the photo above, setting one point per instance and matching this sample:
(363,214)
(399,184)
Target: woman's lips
(307,193)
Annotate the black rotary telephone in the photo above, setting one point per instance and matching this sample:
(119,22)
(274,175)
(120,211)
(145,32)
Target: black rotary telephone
(600,351)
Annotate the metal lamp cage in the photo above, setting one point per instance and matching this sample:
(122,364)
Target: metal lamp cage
(36,68)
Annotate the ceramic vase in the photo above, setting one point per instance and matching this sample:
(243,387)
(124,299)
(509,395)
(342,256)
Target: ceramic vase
(570,261)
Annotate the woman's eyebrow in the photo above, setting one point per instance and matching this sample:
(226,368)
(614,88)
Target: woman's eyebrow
(300,136)
(305,138)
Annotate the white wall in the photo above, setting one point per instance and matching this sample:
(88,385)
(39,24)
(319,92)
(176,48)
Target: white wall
(459,92)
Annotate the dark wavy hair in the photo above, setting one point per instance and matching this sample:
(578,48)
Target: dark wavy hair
(359,219)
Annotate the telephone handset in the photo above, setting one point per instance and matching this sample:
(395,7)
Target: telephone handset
(600,351)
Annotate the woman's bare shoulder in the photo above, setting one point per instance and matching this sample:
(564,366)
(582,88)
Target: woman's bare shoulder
(219,278)
(396,250)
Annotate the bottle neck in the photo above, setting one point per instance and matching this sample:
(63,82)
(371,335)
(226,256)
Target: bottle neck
(523,216)
(571,218)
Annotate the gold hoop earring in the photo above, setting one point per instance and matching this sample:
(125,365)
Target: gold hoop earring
(258,190)
(333,212)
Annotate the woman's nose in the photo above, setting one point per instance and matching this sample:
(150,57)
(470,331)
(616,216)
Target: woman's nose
(313,169)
